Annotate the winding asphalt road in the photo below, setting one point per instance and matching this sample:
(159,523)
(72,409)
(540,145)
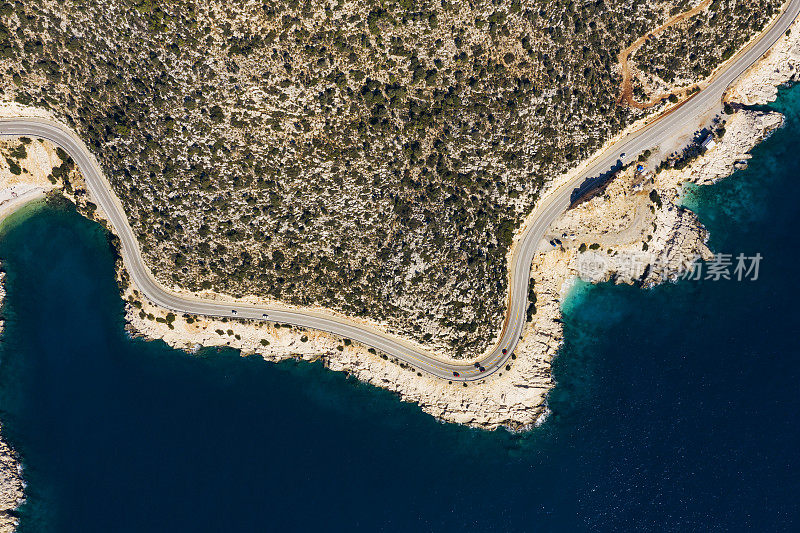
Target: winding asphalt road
(547,210)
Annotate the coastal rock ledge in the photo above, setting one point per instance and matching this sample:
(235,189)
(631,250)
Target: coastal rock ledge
(12,487)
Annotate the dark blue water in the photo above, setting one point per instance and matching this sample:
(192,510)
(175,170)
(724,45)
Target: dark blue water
(675,408)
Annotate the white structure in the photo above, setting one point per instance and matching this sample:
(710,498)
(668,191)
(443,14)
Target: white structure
(709,142)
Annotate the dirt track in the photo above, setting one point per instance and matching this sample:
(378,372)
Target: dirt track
(626,92)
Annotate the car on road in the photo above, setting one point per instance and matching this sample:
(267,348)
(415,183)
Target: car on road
(477,364)
(456,374)
(264,315)
(481,369)
(505,351)
(233,311)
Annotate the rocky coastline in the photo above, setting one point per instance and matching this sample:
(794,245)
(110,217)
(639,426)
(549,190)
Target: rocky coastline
(12,485)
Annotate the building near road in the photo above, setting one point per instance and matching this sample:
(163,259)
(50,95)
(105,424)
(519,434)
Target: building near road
(708,143)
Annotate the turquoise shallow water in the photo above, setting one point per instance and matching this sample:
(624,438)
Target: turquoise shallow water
(674,408)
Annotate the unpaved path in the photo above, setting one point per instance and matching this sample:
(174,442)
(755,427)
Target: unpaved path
(626,92)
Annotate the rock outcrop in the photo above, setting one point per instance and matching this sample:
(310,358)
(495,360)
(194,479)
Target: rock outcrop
(781,65)
(11,484)
(11,488)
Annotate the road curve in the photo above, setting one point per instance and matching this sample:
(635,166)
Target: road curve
(547,210)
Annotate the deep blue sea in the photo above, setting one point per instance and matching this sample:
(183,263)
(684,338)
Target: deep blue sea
(675,409)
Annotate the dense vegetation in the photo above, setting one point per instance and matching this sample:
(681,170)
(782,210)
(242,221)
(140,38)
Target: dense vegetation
(372,156)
